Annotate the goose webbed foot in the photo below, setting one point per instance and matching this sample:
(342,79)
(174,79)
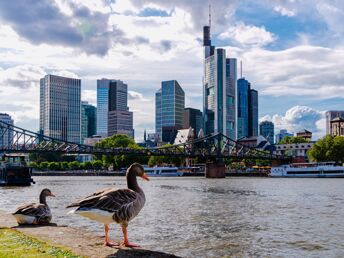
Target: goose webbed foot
(111,244)
(131,245)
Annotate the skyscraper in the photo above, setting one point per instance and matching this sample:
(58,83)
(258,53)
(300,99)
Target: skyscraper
(60,107)
(88,120)
(330,115)
(169,110)
(219,89)
(113,115)
(6,137)
(243,107)
(283,133)
(247,109)
(253,113)
(267,129)
(193,118)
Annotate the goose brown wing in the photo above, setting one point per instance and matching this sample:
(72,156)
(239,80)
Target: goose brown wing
(89,198)
(111,200)
(31,209)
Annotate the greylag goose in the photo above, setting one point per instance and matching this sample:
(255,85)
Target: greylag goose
(115,205)
(35,213)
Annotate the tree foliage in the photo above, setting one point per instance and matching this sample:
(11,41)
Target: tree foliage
(328,148)
(120,161)
(293,139)
(164,160)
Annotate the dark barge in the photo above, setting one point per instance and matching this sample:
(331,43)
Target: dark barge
(14,171)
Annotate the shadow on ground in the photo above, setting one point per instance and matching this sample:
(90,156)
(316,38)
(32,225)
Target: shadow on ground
(133,253)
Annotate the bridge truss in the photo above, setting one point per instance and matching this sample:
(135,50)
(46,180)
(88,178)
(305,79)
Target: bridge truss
(214,146)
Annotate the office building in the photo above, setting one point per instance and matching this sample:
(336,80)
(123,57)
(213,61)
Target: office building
(337,126)
(6,137)
(307,135)
(267,129)
(60,107)
(253,112)
(247,109)
(193,118)
(113,115)
(330,115)
(283,133)
(169,110)
(120,122)
(219,89)
(88,120)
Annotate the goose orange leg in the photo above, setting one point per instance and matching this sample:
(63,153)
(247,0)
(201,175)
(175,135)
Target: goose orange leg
(125,235)
(107,242)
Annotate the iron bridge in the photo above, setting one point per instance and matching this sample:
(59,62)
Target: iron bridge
(213,146)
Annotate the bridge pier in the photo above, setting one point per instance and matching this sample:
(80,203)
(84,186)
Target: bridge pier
(215,170)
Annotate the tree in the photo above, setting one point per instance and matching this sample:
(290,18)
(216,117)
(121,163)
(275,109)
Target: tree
(34,165)
(97,164)
(88,165)
(293,139)
(119,161)
(74,165)
(44,165)
(328,148)
(160,160)
(53,166)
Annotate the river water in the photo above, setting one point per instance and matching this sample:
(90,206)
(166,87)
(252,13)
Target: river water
(198,217)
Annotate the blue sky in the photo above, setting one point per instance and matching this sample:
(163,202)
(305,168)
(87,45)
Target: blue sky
(292,52)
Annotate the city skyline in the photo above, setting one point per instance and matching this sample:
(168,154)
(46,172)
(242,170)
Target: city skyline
(296,69)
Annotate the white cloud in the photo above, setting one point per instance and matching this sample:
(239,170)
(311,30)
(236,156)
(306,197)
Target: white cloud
(90,96)
(298,118)
(284,11)
(248,35)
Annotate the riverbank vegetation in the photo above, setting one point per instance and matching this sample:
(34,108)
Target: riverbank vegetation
(14,244)
(328,148)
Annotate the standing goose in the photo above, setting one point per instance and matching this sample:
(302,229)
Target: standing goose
(115,205)
(35,213)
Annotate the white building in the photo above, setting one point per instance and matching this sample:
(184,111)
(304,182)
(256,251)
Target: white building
(294,149)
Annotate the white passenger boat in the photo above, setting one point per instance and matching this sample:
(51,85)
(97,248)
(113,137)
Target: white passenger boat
(163,171)
(308,170)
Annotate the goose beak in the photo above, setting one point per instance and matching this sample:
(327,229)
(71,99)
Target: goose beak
(52,195)
(145,177)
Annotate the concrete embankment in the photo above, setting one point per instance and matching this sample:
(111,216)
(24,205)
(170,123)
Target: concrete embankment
(107,173)
(80,242)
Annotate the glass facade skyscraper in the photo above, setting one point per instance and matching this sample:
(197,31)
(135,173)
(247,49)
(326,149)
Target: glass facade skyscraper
(253,113)
(6,138)
(219,89)
(60,107)
(193,118)
(88,120)
(169,108)
(247,109)
(113,115)
(243,91)
(267,129)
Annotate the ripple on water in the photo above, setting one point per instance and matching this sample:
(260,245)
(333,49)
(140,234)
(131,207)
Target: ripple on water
(196,217)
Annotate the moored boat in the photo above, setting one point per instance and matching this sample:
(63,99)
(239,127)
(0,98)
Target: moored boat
(14,171)
(308,170)
(163,171)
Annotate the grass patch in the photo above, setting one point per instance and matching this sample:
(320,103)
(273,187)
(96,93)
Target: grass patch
(14,244)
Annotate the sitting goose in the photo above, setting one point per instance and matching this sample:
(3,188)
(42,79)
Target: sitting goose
(115,205)
(35,213)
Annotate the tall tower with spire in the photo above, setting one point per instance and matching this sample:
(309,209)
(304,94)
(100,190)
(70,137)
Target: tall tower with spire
(219,88)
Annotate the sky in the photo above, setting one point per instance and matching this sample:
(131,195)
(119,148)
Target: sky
(292,53)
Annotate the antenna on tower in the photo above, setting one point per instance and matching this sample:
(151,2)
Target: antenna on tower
(240,68)
(209,14)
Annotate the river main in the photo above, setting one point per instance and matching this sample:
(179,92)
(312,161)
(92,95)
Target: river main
(198,217)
